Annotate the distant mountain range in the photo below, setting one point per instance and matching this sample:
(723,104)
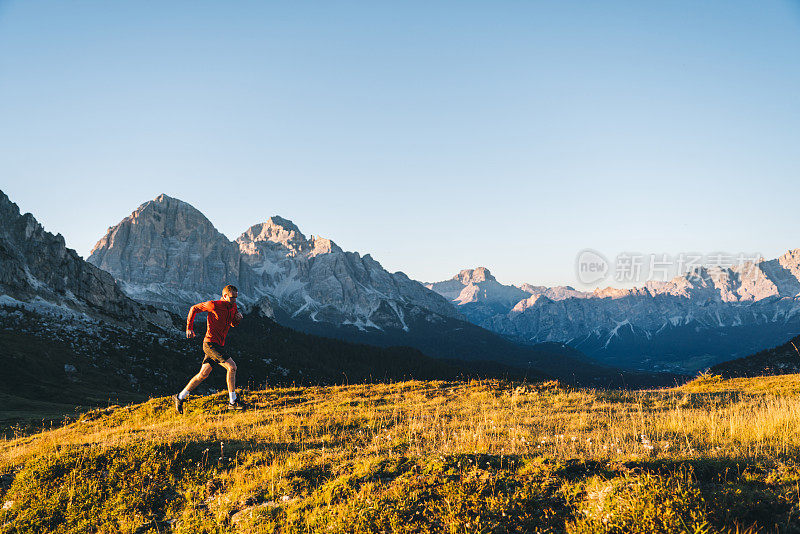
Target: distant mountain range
(691,322)
(168,254)
(70,336)
(62,318)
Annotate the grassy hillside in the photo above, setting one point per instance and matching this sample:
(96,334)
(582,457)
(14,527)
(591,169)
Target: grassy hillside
(713,455)
(783,359)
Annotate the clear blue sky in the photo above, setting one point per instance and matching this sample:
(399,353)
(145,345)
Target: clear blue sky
(434,135)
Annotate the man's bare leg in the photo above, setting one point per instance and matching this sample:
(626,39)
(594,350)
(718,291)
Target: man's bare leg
(205,370)
(230,377)
(197,379)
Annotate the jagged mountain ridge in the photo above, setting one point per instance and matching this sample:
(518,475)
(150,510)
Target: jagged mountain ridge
(480,297)
(75,338)
(312,285)
(478,294)
(38,271)
(477,285)
(315,279)
(63,319)
(169,254)
(692,321)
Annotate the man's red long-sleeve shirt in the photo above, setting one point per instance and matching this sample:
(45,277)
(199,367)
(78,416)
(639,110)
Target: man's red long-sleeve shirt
(221,317)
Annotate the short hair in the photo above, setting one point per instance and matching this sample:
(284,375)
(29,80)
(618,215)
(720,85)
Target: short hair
(229,290)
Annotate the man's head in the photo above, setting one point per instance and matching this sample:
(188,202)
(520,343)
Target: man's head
(230,293)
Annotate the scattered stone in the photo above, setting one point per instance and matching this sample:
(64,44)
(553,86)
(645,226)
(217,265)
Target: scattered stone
(213,486)
(158,525)
(247,513)
(6,480)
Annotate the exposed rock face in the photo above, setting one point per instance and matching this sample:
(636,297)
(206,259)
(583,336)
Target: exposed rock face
(555,292)
(277,230)
(36,267)
(478,294)
(314,278)
(689,322)
(169,254)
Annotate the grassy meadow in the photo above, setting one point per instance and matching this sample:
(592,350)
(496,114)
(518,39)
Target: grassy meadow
(713,455)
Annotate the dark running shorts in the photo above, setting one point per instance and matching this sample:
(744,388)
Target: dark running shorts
(214,353)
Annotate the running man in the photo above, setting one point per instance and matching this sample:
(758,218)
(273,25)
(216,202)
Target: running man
(222,315)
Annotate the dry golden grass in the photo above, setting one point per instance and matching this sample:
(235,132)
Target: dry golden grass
(441,456)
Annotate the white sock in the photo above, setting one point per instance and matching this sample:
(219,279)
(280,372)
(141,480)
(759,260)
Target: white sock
(232,395)
(183,394)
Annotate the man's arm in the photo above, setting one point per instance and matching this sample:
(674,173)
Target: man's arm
(194,310)
(237,318)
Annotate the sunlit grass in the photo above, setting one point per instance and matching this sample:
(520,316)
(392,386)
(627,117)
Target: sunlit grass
(427,456)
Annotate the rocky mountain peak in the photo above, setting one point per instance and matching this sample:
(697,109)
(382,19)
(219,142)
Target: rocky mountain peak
(174,216)
(277,230)
(323,245)
(478,289)
(26,224)
(168,254)
(163,215)
(790,262)
(612,292)
(790,256)
(475,276)
(533,300)
(276,221)
(555,292)
(170,243)
(36,267)
(532,289)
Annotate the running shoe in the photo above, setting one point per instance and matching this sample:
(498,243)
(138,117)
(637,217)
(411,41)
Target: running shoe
(178,404)
(238,405)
